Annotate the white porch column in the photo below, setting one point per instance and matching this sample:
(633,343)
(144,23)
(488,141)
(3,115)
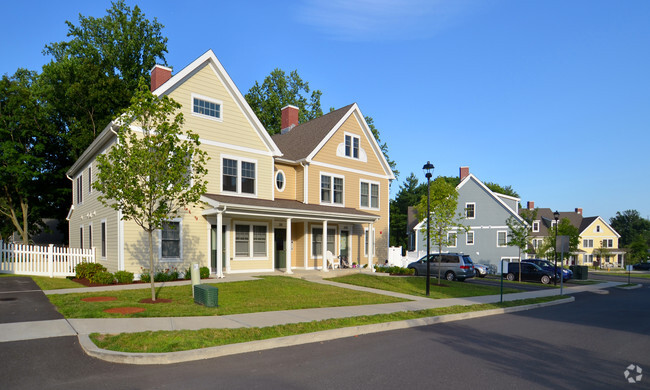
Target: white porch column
(219,246)
(325,246)
(287,245)
(371,247)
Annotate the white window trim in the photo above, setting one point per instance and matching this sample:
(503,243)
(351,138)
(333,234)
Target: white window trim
(536,223)
(103,245)
(239,175)
(79,181)
(284,184)
(251,240)
(597,228)
(311,241)
(467,238)
(467,204)
(207,99)
(352,137)
(449,234)
(90,235)
(81,236)
(502,231)
(320,196)
(371,241)
(370,184)
(180,243)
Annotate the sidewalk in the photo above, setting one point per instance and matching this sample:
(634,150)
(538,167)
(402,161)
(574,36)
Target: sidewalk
(83,327)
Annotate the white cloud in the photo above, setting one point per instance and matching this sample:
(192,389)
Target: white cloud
(370,20)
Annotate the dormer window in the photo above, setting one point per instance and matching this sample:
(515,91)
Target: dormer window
(535,226)
(206,107)
(351,146)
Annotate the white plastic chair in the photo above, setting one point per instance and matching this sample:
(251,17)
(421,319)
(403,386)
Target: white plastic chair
(332,261)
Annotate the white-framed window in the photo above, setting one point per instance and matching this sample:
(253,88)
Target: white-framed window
(470,210)
(331,189)
(535,226)
(452,239)
(90,179)
(251,241)
(80,181)
(238,175)
(171,245)
(317,241)
(537,242)
(502,238)
(369,194)
(553,223)
(90,236)
(588,243)
(206,107)
(597,228)
(103,238)
(469,238)
(81,237)
(351,146)
(608,243)
(280,180)
(368,239)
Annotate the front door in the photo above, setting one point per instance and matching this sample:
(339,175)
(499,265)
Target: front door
(280,250)
(344,248)
(213,247)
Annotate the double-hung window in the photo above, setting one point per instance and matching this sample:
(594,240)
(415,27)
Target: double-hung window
(608,243)
(90,179)
(351,146)
(170,240)
(250,241)
(103,233)
(238,176)
(588,243)
(469,238)
(80,181)
(331,189)
(317,241)
(451,239)
(369,195)
(470,210)
(502,238)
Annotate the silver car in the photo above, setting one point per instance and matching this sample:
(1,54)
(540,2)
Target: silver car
(453,266)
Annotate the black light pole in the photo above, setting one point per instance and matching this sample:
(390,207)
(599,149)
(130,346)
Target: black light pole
(556,215)
(427,168)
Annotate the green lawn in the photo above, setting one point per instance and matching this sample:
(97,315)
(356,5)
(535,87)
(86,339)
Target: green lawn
(415,285)
(171,341)
(270,293)
(632,274)
(47,283)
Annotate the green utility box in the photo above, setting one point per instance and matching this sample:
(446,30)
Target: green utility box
(206,295)
(580,272)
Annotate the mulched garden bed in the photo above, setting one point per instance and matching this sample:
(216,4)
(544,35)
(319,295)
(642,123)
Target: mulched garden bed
(87,283)
(125,310)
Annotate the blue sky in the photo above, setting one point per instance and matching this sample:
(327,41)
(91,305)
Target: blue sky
(549,97)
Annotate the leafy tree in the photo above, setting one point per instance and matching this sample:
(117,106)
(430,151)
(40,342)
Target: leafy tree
(564,228)
(382,145)
(279,90)
(25,154)
(629,224)
(410,193)
(601,253)
(442,216)
(507,190)
(638,250)
(153,174)
(520,232)
(94,74)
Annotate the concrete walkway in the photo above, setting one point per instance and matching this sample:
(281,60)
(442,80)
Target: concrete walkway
(83,327)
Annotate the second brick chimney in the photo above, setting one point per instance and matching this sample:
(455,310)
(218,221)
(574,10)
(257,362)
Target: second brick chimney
(464,172)
(289,118)
(159,76)
(530,205)
(578,210)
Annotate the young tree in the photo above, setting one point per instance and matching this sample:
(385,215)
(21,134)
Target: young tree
(520,232)
(442,216)
(151,174)
(564,228)
(602,254)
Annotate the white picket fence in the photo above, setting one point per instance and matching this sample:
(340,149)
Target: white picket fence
(49,260)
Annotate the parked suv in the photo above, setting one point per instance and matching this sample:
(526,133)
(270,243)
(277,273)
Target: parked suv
(529,272)
(547,265)
(453,266)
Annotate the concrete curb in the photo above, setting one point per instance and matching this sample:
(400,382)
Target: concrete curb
(630,287)
(225,350)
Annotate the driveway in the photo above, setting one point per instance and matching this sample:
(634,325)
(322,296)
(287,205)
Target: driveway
(21,300)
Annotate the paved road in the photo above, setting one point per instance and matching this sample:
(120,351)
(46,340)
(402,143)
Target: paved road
(18,293)
(589,342)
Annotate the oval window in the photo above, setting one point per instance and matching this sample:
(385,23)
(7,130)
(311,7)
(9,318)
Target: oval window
(279,180)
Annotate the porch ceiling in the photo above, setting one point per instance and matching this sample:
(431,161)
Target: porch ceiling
(283,208)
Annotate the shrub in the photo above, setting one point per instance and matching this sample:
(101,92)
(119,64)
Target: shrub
(87,270)
(204,272)
(161,276)
(173,275)
(394,270)
(124,277)
(188,274)
(144,275)
(102,277)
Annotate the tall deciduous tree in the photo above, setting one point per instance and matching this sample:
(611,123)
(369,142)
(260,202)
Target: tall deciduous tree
(521,231)
(442,216)
(152,174)
(629,224)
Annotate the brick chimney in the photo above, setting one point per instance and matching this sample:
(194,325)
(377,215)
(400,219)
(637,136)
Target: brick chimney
(289,118)
(579,211)
(530,205)
(159,76)
(464,172)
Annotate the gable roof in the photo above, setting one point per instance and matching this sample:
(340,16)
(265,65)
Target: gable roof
(496,196)
(545,215)
(304,141)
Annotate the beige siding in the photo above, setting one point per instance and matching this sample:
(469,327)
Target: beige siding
(289,191)
(239,264)
(233,129)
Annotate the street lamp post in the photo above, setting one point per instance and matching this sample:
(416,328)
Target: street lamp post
(556,215)
(427,168)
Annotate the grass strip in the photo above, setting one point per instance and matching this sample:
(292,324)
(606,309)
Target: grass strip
(183,340)
(415,285)
(47,283)
(269,293)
